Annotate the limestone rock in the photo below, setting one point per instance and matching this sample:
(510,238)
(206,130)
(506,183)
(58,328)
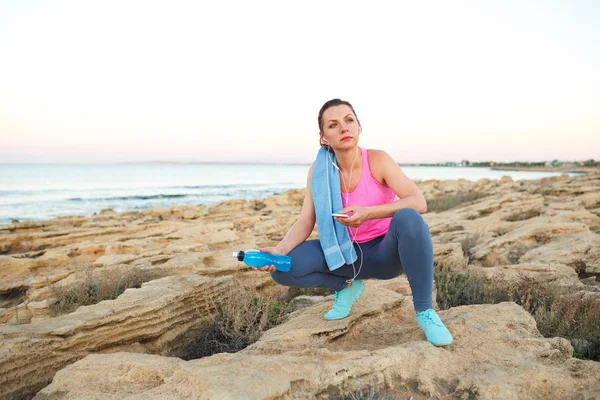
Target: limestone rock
(509,248)
(500,357)
(301,302)
(556,273)
(580,251)
(31,354)
(450,255)
(540,231)
(114,259)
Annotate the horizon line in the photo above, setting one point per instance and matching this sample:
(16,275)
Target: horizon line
(150,162)
(225,162)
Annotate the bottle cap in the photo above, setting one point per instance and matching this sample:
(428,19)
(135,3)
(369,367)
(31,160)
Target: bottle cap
(239,255)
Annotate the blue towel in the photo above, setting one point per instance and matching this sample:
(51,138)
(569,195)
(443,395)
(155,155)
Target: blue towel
(325,188)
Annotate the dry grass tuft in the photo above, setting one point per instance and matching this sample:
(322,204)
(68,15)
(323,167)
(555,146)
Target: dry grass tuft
(558,311)
(239,321)
(95,288)
(373,394)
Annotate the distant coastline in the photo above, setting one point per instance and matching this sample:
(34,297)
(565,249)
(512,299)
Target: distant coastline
(497,168)
(587,170)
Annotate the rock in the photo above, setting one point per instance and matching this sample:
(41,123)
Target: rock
(21,272)
(105,261)
(451,255)
(580,250)
(589,281)
(31,354)
(556,273)
(122,248)
(40,310)
(508,248)
(497,357)
(542,231)
(300,302)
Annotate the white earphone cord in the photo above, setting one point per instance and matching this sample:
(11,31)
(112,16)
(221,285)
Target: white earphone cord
(352,236)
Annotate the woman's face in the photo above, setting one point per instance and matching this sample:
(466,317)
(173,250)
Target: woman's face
(340,127)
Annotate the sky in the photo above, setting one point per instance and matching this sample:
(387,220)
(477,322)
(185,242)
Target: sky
(203,81)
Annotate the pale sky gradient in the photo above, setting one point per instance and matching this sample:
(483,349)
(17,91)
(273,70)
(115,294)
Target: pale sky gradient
(431,81)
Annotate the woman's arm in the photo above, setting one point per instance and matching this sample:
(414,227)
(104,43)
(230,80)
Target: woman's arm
(386,171)
(409,195)
(305,224)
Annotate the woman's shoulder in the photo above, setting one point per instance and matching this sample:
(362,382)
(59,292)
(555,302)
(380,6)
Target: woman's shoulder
(377,156)
(379,160)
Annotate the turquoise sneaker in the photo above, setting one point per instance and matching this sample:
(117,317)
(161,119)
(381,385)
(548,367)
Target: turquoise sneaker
(436,332)
(344,300)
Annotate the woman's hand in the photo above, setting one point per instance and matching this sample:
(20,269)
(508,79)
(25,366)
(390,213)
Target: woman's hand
(359,215)
(270,250)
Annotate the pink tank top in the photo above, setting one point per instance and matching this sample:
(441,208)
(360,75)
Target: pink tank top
(369,192)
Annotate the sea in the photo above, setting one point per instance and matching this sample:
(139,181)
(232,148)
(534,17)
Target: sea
(32,192)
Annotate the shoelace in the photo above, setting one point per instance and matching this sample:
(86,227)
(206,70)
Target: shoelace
(428,320)
(336,295)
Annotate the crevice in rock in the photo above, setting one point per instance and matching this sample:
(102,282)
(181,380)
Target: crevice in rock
(12,297)
(160,261)
(238,321)
(523,215)
(31,254)
(581,268)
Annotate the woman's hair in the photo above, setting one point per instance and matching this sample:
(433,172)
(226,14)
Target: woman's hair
(332,103)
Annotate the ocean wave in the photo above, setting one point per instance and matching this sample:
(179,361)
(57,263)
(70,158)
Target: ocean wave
(136,197)
(234,185)
(255,185)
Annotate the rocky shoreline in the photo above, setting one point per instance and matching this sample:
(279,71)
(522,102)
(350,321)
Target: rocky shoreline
(544,230)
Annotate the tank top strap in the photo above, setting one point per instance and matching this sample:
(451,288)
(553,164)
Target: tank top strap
(366,168)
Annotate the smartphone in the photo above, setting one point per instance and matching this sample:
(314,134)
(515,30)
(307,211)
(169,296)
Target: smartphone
(340,215)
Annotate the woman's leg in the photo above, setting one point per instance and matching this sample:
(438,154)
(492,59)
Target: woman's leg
(407,244)
(309,269)
(409,235)
(405,247)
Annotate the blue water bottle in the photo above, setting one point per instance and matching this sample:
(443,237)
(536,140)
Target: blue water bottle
(258,259)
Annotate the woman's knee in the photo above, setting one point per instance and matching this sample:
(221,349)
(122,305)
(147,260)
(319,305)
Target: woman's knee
(408,220)
(282,278)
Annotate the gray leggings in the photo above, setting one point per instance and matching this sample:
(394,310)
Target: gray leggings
(405,247)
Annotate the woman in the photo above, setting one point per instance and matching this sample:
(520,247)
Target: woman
(385,225)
